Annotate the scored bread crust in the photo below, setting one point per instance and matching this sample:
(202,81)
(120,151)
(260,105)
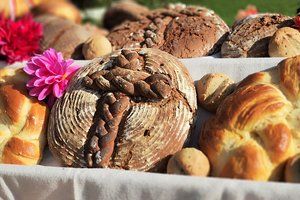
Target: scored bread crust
(256,129)
(23,120)
(184,32)
(250,37)
(128,110)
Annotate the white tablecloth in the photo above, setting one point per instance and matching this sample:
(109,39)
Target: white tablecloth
(48,182)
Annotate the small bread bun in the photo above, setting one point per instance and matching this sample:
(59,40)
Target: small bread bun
(292,169)
(97,45)
(212,89)
(189,161)
(285,43)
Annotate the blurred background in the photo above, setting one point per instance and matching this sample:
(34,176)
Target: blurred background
(227,9)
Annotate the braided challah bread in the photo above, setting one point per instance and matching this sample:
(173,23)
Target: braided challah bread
(128,110)
(23,120)
(257,128)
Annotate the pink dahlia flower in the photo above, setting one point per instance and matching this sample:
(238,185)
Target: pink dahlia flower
(50,75)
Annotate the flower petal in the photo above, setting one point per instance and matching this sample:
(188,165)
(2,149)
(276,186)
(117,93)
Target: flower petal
(30,83)
(50,80)
(42,73)
(57,91)
(39,82)
(71,71)
(30,68)
(34,92)
(44,93)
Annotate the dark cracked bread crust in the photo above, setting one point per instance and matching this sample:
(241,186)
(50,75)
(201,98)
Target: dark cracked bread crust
(250,37)
(184,32)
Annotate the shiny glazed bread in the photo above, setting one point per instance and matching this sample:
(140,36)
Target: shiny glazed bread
(128,110)
(23,120)
(256,129)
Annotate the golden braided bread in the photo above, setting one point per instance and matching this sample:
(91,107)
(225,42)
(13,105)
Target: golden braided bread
(22,120)
(256,129)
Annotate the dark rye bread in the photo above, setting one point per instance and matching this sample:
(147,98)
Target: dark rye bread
(184,32)
(250,37)
(128,110)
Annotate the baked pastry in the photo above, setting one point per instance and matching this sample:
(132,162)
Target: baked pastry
(184,32)
(61,8)
(121,11)
(189,161)
(251,36)
(256,129)
(128,110)
(292,170)
(285,43)
(212,89)
(63,35)
(23,120)
(96,46)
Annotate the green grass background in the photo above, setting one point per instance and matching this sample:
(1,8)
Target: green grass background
(227,9)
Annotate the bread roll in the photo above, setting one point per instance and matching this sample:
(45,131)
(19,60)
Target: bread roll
(285,43)
(256,129)
(189,161)
(128,110)
(212,89)
(184,32)
(96,46)
(23,120)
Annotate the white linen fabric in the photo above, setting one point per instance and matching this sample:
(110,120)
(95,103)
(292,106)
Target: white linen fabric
(50,181)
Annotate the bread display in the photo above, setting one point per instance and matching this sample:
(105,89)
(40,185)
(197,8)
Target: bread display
(183,32)
(121,11)
(256,129)
(128,110)
(189,161)
(212,89)
(23,120)
(63,35)
(96,46)
(292,170)
(251,36)
(285,43)
(60,8)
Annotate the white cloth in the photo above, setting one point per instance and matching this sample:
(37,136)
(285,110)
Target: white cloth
(48,182)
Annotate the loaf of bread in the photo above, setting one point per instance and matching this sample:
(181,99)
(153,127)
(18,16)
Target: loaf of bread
(128,110)
(63,35)
(123,10)
(59,8)
(184,32)
(23,120)
(256,129)
(285,43)
(250,37)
